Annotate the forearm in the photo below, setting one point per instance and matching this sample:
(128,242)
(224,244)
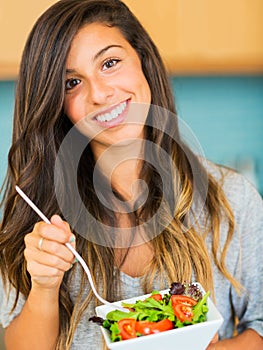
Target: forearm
(249,339)
(37,326)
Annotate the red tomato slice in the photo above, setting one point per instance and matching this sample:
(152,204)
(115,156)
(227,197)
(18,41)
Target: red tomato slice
(183,299)
(183,312)
(147,327)
(127,328)
(156,297)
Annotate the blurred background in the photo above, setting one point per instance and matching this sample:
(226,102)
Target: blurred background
(213,51)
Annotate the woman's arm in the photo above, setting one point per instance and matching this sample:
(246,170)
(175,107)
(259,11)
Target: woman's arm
(247,306)
(37,325)
(249,339)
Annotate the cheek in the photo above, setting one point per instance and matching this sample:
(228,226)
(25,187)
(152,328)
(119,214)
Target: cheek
(135,81)
(141,83)
(142,87)
(147,92)
(74,108)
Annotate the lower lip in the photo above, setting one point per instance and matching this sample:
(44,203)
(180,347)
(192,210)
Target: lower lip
(115,121)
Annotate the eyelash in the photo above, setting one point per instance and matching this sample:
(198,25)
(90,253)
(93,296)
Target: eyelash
(110,61)
(69,81)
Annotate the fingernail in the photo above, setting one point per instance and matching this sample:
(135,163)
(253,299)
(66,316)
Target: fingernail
(72,239)
(58,218)
(71,265)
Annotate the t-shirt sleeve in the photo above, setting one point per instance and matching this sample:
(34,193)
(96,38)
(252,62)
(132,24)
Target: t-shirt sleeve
(249,305)
(6,305)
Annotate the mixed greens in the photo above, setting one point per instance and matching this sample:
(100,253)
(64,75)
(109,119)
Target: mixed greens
(183,305)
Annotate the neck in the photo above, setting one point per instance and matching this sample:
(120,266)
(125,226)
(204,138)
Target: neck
(121,165)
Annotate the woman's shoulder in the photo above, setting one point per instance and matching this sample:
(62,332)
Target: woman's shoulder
(221,173)
(239,191)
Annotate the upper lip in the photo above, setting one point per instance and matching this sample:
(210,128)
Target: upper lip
(108,110)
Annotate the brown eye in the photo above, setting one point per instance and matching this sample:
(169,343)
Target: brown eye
(110,63)
(71,83)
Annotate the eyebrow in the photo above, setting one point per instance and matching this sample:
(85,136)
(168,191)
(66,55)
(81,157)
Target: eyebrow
(100,53)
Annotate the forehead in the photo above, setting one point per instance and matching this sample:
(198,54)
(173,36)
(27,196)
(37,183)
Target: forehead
(94,40)
(98,34)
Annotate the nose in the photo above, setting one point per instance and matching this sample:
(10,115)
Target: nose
(100,91)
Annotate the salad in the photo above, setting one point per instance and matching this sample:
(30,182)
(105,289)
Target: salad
(183,305)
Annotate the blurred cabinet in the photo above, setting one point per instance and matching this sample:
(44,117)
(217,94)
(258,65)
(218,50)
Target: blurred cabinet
(194,36)
(205,36)
(16,21)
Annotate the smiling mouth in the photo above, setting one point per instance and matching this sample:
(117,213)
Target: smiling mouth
(113,114)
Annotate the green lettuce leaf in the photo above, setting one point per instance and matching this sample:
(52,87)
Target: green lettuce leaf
(200,309)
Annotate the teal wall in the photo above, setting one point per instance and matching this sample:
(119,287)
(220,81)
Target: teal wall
(225,114)
(6,115)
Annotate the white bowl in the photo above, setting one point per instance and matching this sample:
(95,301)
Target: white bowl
(196,336)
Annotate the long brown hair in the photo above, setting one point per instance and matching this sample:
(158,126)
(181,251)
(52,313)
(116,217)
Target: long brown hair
(40,125)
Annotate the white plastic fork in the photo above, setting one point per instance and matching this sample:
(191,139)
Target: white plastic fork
(75,253)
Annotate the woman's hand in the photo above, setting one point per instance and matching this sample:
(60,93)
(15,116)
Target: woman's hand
(211,345)
(46,254)
(47,258)
(249,339)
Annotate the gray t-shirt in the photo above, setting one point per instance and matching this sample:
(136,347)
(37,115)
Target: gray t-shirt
(244,260)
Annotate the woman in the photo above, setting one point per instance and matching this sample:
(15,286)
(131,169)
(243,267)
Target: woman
(91,65)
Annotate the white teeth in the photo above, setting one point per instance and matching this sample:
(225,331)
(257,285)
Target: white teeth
(113,114)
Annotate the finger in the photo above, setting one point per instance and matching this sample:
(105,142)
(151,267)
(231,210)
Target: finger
(57,221)
(44,234)
(55,248)
(43,275)
(212,344)
(46,260)
(53,232)
(51,247)
(37,269)
(215,339)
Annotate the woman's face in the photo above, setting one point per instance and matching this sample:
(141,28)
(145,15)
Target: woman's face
(104,78)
